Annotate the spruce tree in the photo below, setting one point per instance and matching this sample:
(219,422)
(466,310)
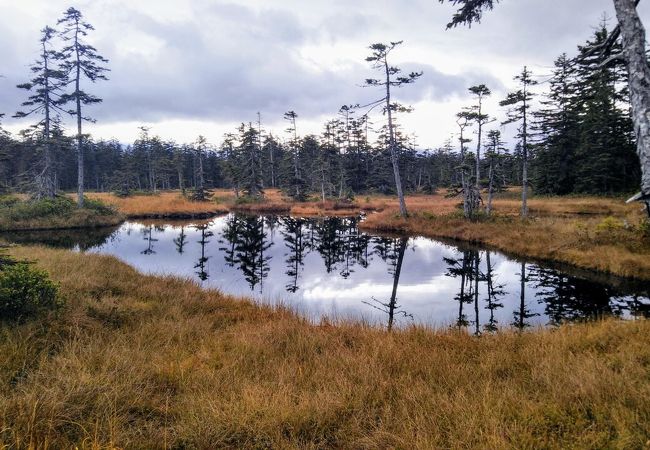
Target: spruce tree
(556,127)
(519,102)
(45,89)
(251,157)
(390,79)
(480,118)
(80,60)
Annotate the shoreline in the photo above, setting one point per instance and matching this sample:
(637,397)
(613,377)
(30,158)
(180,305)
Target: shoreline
(561,232)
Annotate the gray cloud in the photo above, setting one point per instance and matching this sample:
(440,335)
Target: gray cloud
(224,61)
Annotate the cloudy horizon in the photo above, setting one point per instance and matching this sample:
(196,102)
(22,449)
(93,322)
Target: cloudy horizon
(193,67)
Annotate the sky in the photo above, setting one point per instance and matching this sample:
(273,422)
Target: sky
(202,67)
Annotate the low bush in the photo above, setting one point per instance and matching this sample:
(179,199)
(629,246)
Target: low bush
(17,210)
(25,291)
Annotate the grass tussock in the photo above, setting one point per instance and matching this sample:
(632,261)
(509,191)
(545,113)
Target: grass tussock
(57,213)
(143,362)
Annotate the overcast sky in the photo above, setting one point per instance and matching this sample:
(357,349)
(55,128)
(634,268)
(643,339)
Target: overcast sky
(190,67)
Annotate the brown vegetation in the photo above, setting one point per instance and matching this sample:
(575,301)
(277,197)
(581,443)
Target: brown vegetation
(594,233)
(164,204)
(602,234)
(145,362)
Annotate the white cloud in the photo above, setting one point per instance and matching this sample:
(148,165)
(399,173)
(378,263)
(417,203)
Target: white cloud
(202,66)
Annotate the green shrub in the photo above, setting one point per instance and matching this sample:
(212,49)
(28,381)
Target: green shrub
(246,200)
(20,211)
(7,201)
(25,292)
(99,207)
(33,209)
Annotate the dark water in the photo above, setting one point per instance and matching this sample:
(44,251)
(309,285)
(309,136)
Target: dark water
(328,268)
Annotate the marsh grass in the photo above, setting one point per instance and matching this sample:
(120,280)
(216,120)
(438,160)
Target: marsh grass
(602,234)
(55,213)
(144,362)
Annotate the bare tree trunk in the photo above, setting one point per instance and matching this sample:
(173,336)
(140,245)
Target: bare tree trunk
(478,149)
(80,150)
(463,181)
(393,151)
(524,170)
(634,50)
(477,324)
(181,186)
(488,208)
(47,184)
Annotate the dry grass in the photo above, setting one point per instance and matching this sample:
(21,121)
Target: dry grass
(163,204)
(602,234)
(144,362)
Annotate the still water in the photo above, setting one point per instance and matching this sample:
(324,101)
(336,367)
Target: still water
(329,268)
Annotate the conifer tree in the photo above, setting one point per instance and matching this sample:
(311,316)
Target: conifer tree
(556,127)
(480,92)
(605,145)
(250,152)
(45,90)
(391,79)
(297,185)
(632,35)
(470,195)
(80,60)
(200,149)
(493,155)
(519,112)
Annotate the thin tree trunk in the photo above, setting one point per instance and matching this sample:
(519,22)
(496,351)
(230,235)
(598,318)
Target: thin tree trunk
(477,325)
(524,171)
(478,149)
(393,151)
(488,208)
(634,50)
(80,151)
(47,186)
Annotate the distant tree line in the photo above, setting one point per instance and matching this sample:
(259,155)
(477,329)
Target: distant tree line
(577,137)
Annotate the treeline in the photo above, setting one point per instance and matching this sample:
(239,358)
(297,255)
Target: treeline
(576,137)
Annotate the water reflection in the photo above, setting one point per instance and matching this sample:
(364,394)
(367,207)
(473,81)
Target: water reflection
(392,250)
(203,259)
(328,267)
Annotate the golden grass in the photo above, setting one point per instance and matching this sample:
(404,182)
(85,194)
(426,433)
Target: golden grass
(144,362)
(594,233)
(163,204)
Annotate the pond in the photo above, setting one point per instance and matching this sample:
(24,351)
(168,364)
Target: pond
(330,268)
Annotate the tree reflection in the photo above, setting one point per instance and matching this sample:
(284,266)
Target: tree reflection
(203,259)
(247,249)
(180,241)
(328,241)
(523,313)
(392,251)
(494,292)
(570,299)
(148,236)
(463,268)
(296,241)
